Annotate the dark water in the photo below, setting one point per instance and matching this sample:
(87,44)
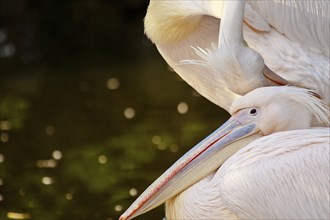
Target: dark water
(90,114)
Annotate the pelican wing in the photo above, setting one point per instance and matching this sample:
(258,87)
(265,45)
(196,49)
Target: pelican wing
(292,37)
(297,47)
(304,22)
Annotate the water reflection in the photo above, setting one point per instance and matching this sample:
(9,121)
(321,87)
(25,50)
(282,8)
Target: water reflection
(88,118)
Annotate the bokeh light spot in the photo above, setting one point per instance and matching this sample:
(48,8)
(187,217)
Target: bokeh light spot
(50,130)
(57,155)
(118,208)
(17,215)
(4,137)
(113,83)
(47,180)
(182,108)
(7,50)
(69,196)
(174,148)
(129,113)
(46,163)
(133,192)
(156,139)
(103,159)
(161,146)
(5,125)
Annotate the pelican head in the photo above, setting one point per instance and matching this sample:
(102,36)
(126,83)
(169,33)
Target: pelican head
(260,112)
(272,105)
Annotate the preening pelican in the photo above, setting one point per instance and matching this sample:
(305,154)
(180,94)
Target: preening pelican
(267,175)
(267,160)
(292,37)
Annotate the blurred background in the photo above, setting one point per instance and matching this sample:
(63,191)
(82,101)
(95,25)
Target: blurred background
(90,114)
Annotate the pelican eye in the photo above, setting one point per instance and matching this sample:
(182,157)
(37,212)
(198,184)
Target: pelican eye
(253,111)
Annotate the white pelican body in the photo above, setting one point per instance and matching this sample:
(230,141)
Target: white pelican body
(296,46)
(280,176)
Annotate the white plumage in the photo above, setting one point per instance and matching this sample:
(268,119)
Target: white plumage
(274,177)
